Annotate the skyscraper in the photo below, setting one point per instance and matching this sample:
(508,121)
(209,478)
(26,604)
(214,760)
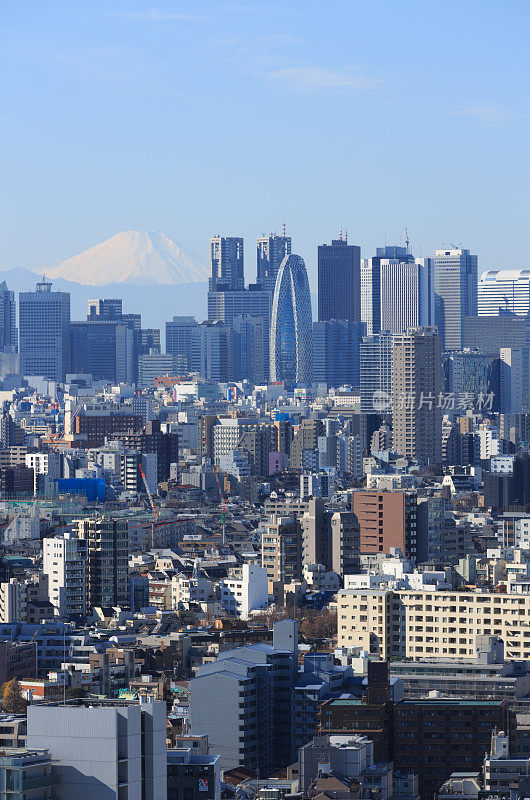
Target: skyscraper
(339,281)
(416,386)
(504,290)
(8,330)
(182,343)
(271,251)
(252,302)
(397,291)
(44,320)
(291,324)
(226,262)
(336,352)
(375,372)
(371,284)
(103,348)
(455,287)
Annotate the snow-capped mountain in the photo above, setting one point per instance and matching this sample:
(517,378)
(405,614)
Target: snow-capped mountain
(141,258)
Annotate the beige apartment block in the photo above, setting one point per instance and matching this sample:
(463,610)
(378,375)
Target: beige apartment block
(408,624)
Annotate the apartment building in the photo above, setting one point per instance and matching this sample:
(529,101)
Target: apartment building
(386,520)
(409,624)
(281,549)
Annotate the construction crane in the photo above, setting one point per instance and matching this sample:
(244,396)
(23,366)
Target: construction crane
(148,492)
(224,504)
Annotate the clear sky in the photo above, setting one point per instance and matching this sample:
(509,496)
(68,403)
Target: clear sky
(211,117)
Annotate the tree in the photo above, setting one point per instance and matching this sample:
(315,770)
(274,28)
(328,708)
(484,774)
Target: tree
(74,694)
(12,700)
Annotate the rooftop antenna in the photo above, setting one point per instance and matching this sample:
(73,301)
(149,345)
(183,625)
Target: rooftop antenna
(346,235)
(284,230)
(407,241)
(340,235)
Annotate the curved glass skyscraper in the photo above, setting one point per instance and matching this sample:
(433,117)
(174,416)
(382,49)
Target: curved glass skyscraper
(291,324)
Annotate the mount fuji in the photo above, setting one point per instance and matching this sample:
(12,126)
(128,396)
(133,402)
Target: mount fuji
(141,258)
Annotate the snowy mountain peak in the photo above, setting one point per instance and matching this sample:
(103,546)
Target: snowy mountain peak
(144,258)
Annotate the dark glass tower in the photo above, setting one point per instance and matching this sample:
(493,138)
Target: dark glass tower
(339,281)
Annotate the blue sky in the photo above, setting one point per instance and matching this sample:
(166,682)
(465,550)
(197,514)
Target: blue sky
(199,118)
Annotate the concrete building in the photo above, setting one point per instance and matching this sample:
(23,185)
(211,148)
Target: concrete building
(455,287)
(245,590)
(107,543)
(64,561)
(27,774)
(336,352)
(281,549)
(44,331)
(412,624)
(488,334)
(386,519)
(375,373)
(192,775)
(416,386)
(181,343)
(105,750)
(8,320)
(242,701)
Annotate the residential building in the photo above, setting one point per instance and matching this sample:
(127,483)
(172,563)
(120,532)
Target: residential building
(64,561)
(256,681)
(192,775)
(107,544)
(386,519)
(339,281)
(416,386)
(103,750)
(27,774)
(375,374)
(245,590)
(411,624)
(281,549)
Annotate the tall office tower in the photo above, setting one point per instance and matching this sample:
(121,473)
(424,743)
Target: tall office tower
(8,320)
(271,251)
(103,348)
(44,322)
(504,290)
(291,324)
(226,262)
(180,343)
(339,281)
(150,341)
(416,386)
(514,380)
(107,547)
(100,749)
(108,308)
(336,352)
(407,296)
(455,288)
(375,374)
(251,302)
(249,353)
(371,283)
(214,347)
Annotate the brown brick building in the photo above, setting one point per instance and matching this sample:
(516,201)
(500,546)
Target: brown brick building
(386,519)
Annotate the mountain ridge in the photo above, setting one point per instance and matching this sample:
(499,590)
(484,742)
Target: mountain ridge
(140,258)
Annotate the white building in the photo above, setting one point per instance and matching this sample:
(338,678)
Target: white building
(504,289)
(245,590)
(64,561)
(102,750)
(194,589)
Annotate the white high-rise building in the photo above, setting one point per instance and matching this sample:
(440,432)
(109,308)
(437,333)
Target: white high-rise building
(504,290)
(64,561)
(245,589)
(397,291)
(455,286)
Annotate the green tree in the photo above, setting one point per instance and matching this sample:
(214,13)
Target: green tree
(12,700)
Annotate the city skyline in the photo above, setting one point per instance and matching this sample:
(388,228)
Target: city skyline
(80,163)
